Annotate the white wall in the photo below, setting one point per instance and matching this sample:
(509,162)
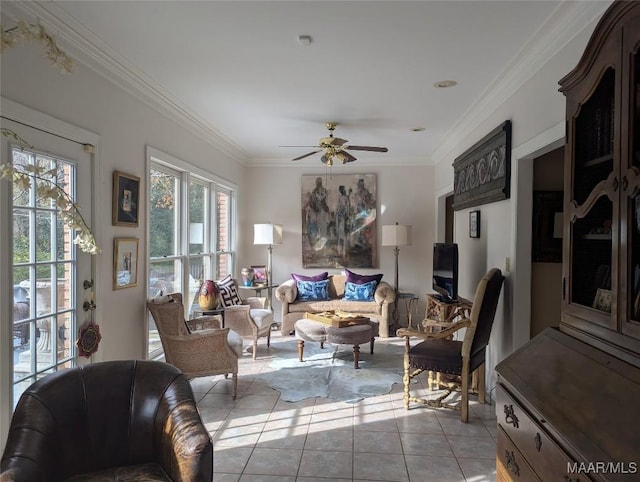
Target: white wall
(404,195)
(125,125)
(537,112)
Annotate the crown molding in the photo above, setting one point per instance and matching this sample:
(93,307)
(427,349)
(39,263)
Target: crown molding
(567,21)
(92,52)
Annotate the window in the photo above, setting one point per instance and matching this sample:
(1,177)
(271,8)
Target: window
(190,232)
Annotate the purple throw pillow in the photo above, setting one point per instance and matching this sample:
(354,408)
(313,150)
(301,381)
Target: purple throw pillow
(315,277)
(362,278)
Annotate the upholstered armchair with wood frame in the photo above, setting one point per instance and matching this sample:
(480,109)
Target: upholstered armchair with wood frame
(197,347)
(250,319)
(439,353)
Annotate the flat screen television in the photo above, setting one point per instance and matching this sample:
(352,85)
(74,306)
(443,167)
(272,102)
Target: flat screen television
(445,271)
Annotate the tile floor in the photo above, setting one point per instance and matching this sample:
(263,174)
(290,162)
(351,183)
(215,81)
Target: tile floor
(259,437)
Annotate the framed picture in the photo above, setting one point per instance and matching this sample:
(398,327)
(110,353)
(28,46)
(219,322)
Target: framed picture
(602,301)
(546,242)
(125,263)
(474,224)
(126,199)
(482,174)
(259,275)
(339,221)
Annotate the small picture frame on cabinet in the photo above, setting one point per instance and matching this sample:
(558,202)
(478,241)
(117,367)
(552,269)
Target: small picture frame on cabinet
(602,301)
(474,224)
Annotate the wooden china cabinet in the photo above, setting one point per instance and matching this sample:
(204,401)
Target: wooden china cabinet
(568,401)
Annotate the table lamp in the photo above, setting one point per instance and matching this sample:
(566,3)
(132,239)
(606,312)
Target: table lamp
(396,235)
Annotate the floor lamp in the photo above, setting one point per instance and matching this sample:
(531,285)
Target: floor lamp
(396,235)
(268,234)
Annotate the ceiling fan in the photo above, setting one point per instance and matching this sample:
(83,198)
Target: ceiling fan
(336,148)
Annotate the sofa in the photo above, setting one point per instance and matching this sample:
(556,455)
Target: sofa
(294,309)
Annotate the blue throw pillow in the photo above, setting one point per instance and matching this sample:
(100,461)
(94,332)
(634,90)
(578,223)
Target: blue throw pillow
(313,290)
(359,292)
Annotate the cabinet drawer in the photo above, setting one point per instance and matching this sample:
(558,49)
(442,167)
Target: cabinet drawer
(548,460)
(510,463)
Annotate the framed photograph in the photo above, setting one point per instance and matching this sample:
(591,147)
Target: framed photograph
(602,301)
(259,275)
(474,224)
(126,199)
(125,263)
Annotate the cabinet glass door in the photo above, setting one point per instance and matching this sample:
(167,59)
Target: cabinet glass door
(632,189)
(594,178)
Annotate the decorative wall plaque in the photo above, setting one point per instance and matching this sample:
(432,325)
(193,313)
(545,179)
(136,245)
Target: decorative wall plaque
(483,173)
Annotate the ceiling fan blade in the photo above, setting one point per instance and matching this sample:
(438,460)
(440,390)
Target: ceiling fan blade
(306,155)
(345,157)
(367,148)
(311,147)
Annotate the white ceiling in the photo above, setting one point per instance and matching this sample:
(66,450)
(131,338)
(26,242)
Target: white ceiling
(236,71)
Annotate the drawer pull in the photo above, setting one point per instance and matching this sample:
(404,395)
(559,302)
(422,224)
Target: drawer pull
(510,416)
(538,440)
(512,465)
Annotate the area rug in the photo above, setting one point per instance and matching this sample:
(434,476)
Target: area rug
(329,372)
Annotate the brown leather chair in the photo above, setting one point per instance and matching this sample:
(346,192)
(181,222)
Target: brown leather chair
(439,353)
(116,420)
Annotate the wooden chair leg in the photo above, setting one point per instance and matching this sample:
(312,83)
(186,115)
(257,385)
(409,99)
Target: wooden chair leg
(255,347)
(372,339)
(464,388)
(234,389)
(300,349)
(481,383)
(406,379)
(356,356)
(269,338)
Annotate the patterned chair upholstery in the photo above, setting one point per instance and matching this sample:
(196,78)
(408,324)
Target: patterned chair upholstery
(198,353)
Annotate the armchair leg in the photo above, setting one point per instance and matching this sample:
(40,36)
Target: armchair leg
(234,389)
(481,383)
(406,379)
(300,349)
(255,347)
(464,388)
(372,340)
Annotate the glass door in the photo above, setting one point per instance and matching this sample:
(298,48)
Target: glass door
(631,192)
(48,269)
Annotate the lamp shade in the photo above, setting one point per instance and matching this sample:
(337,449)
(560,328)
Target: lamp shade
(267,234)
(396,235)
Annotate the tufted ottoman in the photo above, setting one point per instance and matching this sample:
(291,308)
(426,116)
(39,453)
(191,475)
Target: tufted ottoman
(310,330)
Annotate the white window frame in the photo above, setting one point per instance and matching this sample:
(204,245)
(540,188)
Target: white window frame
(186,172)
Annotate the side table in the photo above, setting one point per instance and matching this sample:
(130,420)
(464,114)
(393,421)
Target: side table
(258,290)
(200,312)
(410,302)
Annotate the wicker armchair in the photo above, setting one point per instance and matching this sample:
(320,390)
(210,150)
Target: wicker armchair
(250,319)
(196,352)
(439,353)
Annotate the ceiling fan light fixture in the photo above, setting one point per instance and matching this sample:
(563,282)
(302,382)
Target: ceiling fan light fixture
(327,159)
